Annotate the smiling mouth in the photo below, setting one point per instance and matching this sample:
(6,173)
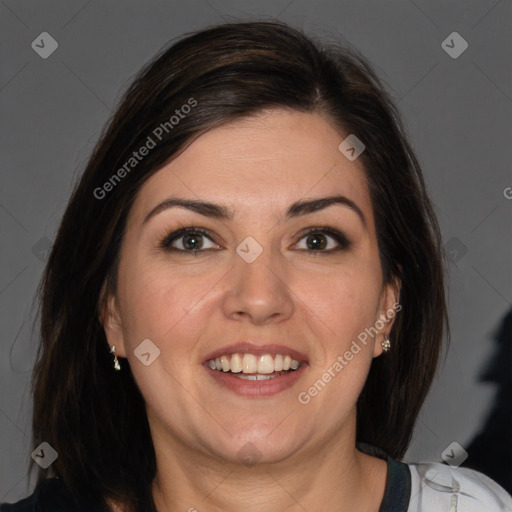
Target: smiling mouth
(252,367)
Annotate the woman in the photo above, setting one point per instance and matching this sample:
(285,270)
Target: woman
(244,306)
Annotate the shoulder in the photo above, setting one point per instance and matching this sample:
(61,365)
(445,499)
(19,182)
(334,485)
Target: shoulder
(50,495)
(436,486)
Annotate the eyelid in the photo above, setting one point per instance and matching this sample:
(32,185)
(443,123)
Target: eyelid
(180,232)
(341,239)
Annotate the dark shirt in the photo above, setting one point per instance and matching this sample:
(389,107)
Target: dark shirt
(51,496)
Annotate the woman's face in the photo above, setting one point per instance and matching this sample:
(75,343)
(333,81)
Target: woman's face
(251,288)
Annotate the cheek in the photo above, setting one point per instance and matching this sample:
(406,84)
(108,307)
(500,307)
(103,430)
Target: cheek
(345,300)
(342,307)
(164,305)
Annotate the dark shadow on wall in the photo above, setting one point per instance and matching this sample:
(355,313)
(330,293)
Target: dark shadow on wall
(490,452)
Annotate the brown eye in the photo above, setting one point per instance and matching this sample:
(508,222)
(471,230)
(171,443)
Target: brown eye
(316,241)
(326,240)
(191,240)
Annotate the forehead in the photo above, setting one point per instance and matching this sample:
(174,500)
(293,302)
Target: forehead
(263,162)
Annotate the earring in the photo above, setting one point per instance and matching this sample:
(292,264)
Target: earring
(386,343)
(117,366)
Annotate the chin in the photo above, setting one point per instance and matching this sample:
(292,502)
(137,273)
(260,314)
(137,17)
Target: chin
(264,444)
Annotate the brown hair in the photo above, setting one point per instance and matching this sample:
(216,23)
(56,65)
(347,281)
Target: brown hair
(95,417)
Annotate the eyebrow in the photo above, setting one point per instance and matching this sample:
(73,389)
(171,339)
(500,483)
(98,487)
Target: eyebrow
(218,211)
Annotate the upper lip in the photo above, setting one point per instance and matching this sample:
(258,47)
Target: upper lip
(258,350)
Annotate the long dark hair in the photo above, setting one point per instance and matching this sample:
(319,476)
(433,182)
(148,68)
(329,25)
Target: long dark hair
(95,417)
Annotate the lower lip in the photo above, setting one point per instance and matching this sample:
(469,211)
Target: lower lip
(267,387)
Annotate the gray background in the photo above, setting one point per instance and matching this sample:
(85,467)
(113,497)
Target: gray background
(457,112)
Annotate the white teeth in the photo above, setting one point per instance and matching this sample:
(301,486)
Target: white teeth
(225,363)
(236,363)
(255,377)
(249,363)
(265,364)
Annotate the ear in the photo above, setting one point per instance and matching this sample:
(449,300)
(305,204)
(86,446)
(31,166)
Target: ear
(110,319)
(388,309)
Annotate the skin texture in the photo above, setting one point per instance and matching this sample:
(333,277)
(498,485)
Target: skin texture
(191,305)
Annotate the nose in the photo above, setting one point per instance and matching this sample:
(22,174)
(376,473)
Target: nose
(259,291)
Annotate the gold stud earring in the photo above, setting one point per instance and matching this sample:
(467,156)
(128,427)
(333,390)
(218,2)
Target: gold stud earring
(386,343)
(117,366)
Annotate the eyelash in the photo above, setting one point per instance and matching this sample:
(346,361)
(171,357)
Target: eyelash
(167,240)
